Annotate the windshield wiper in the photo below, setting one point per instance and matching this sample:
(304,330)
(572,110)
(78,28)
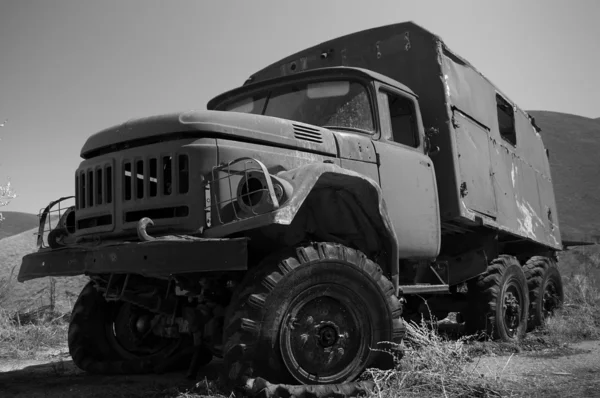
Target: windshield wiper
(344,128)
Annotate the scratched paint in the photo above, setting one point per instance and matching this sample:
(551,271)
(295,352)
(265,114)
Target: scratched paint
(513,175)
(447,85)
(529,221)
(526,221)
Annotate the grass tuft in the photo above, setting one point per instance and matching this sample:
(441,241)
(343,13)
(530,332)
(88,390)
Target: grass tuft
(579,319)
(434,366)
(30,340)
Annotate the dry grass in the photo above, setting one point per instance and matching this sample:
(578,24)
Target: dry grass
(434,366)
(579,319)
(32,294)
(31,340)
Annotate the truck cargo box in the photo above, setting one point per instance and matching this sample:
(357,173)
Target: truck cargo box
(492,169)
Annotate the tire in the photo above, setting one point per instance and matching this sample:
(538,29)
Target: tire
(98,344)
(297,310)
(545,289)
(499,301)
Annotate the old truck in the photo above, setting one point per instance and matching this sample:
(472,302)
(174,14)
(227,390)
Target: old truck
(293,226)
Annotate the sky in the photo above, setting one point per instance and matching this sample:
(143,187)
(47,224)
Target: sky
(69,68)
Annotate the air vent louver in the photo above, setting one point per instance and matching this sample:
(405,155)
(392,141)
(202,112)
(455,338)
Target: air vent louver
(307,133)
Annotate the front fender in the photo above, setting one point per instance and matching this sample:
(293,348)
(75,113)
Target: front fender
(364,193)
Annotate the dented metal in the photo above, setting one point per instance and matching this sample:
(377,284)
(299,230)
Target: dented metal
(480,176)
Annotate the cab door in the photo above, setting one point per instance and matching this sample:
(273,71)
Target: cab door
(406,175)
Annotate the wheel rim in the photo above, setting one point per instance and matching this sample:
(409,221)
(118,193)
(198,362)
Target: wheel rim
(130,333)
(511,305)
(324,337)
(551,299)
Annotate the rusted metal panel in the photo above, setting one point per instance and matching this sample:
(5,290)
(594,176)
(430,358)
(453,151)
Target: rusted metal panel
(198,124)
(408,185)
(467,90)
(529,144)
(153,259)
(444,83)
(410,55)
(504,187)
(365,192)
(276,159)
(356,152)
(353,146)
(529,220)
(368,169)
(476,185)
(548,208)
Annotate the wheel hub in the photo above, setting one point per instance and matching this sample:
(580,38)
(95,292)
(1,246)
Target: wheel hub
(328,336)
(512,311)
(550,301)
(131,332)
(143,324)
(323,336)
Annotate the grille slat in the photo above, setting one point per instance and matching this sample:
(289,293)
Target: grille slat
(109,184)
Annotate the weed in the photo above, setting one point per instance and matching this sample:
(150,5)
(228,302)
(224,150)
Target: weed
(579,319)
(26,341)
(433,366)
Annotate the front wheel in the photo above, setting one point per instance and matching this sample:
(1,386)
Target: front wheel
(311,316)
(499,301)
(114,338)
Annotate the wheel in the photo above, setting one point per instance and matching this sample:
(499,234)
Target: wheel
(311,316)
(545,289)
(112,338)
(499,301)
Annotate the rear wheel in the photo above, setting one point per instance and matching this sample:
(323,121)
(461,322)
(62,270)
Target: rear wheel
(115,337)
(499,301)
(311,316)
(545,289)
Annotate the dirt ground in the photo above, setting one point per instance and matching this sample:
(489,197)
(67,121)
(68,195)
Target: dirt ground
(57,376)
(567,372)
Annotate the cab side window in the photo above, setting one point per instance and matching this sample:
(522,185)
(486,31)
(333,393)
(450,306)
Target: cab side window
(400,117)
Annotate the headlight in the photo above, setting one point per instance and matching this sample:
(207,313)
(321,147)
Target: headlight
(253,192)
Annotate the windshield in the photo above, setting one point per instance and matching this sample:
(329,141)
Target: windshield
(333,104)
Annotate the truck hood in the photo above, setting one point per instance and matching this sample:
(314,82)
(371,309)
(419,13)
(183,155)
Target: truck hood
(231,125)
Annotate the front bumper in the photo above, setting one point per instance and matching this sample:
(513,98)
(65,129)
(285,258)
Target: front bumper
(153,259)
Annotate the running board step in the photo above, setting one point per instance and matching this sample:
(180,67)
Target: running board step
(418,289)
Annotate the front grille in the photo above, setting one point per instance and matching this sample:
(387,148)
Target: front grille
(138,186)
(155,176)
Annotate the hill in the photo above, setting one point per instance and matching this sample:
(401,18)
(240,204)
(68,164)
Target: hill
(574,145)
(17,222)
(34,293)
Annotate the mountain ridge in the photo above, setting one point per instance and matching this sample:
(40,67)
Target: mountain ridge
(573,143)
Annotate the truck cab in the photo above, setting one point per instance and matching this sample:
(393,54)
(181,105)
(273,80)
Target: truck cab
(378,130)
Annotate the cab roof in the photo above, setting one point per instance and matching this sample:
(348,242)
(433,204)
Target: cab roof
(334,71)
